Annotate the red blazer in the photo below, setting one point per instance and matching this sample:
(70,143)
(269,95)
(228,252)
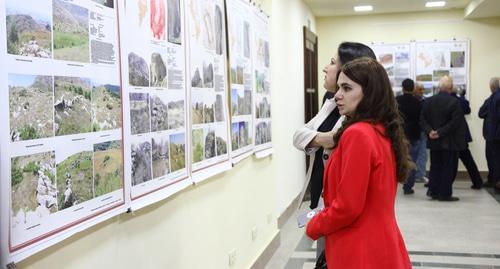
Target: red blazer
(358,220)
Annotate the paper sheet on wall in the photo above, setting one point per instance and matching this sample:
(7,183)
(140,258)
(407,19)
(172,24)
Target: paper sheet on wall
(240,35)
(61,109)
(397,61)
(207,88)
(155,117)
(262,86)
(436,59)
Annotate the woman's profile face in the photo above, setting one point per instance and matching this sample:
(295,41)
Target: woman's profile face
(330,71)
(348,95)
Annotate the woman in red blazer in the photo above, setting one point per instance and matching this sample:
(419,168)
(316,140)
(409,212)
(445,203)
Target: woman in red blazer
(360,182)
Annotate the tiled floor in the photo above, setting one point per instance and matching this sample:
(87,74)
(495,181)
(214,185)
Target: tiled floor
(463,234)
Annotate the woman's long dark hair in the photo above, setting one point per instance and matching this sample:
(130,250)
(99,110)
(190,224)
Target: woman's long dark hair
(378,105)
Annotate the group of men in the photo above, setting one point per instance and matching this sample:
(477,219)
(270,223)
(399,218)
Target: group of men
(439,123)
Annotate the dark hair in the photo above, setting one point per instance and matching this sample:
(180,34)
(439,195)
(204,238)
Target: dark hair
(408,85)
(348,51)
(378,105)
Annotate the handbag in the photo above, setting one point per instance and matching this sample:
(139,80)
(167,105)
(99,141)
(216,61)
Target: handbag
(321,261)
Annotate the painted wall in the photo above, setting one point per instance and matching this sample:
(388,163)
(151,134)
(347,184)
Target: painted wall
(198,227)
(484,35)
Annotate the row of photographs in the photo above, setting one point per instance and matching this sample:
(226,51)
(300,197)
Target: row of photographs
(48,182)
(47,106)
(157,156)
(208,142)
(154,112)
(241,135)
(59,29)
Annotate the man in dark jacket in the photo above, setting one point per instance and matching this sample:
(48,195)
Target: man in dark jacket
(465,155)
(493,134)
(442,120)
(410,108)
(484,114)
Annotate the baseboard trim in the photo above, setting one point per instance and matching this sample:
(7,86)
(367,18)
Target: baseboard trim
(268,252)
(289,211)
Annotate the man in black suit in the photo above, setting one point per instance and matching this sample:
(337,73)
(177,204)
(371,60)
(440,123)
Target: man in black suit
(442,120)
(409,107)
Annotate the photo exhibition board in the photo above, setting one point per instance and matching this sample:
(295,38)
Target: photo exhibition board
(240,19)
(435,59)
(262,85)
(61,110)
(207,84)
(154,99)
(397,60)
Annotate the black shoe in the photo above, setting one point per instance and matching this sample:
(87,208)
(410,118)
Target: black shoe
(406,192)
(430,195)
(476,187)
(426,185)
(448,199)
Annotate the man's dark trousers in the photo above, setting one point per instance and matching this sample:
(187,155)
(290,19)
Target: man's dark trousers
(443,170)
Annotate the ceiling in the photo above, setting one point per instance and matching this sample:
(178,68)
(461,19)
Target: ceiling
(473,8)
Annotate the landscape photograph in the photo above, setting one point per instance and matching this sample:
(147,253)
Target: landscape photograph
(177,152)
(198,146)
(30,107)
(245,104)
(33,186)
(106,106)
(424,77)
(174,21)
(159,111)
(160,156)
(106,3)
(141,162)
(209,137)
(196,81)
(244,133)
(220,141)
(219,108)
(71,34)
(75,183)
(158,66)
(139,113)
(138,70)
(260,82)
(219,32)
(263,109)
(29,28)
(197,108)
(246,39)
(208,111)
(235,136)
(457,59)
(208,75)
(72,105)
(175,114)
(234,102)
(438,74)
(157,19)
(262,133)
(108,167)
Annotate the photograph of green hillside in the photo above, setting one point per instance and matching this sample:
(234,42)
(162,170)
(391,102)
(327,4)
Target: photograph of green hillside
(28,25)
(160,156)
(72,105)
(75,179)
(30,107)
(198,148)
(177,152)
(141,162)
(33,185)
(108,167)
(71,31)
(106,106)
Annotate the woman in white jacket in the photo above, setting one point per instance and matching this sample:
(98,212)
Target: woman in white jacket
(316,137)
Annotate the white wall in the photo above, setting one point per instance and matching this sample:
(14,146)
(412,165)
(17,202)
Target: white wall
(199,226)
(484,35)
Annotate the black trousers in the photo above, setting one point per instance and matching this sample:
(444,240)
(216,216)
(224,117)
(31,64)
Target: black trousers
(466,157)
(495,147)
(490,161)
(443,170)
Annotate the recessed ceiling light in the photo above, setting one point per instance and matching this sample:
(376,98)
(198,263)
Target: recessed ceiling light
(363,8)
(435,4)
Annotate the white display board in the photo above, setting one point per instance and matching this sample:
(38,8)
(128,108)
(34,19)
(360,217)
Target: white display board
(61,159)
(262,86)
(397,60)
(435,59)
(207,80)
(240,35)
(155,115)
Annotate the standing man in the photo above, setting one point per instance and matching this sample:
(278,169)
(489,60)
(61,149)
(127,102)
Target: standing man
(484,114)
(420,175)
(494,133)
(410,108)
(442,120)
